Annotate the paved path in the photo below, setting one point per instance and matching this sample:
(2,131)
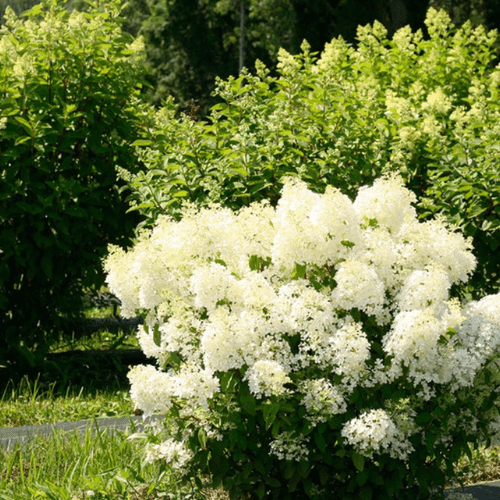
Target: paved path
(482,491)
(9,436)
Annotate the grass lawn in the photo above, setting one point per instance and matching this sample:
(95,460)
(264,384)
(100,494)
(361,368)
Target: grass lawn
(86,379)
(89,381)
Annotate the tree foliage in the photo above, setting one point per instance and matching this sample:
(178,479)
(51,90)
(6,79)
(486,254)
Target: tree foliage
(69,111)
(189,43)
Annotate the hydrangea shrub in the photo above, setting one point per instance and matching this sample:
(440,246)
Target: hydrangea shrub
(313,349)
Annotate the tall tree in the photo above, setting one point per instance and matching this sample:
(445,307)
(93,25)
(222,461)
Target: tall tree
(463,10)
(191,42)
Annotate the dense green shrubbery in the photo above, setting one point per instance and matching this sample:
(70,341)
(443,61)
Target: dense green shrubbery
(69,112)
(425,107)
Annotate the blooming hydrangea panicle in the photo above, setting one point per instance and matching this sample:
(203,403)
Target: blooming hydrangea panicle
(350,349)
(150,389)
(322,400)
(313,229)
(424,288)
(387,202)
(413,341)
(432,243)
(267,378)
(374,432)
(211,285)
(286,446)
(229,341)
(173,452)
(359,287)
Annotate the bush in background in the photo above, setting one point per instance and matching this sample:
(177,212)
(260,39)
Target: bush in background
(69,112)
(426,107)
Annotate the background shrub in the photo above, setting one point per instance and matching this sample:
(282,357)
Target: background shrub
(69,111)
(426,107)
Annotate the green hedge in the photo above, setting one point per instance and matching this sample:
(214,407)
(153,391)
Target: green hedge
(69,112)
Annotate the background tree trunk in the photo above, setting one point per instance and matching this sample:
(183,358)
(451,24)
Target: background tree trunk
(241,62)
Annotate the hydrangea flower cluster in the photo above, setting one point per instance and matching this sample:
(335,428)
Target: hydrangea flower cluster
(310,301)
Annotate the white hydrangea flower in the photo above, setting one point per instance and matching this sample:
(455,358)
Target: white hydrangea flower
(380,252)
(175,453)
(254,291)
(230,341)
(350,349)
(267,378)
(196,386)
(432,243)
(413,341)
(147,343)
(358,286)
(322,399)
(387,202)
(179,334)
(154,391)
(150,389)
(289,447)
(399,107)
(312,228)
(212,284)
(424,288)
(334,51)
(375,432)
(121,281)
(438,102)
(305,309)
(432,127)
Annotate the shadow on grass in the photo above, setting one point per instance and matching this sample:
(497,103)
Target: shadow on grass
(94,369)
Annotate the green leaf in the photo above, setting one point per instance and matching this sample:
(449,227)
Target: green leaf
(455,452)
(261,490)
(46,264)
(359,461)
(366,493)
(248,403)
(299,271)
(290,470)
(362,477)
(254,263)
(228,382)
(142,142)
(25,124)
(320,441)
(202,438)
(423,418)
(157,335)
(270,411)
(348,244)
(273,482)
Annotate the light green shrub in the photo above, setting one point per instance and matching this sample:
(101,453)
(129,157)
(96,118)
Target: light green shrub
(426,107)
